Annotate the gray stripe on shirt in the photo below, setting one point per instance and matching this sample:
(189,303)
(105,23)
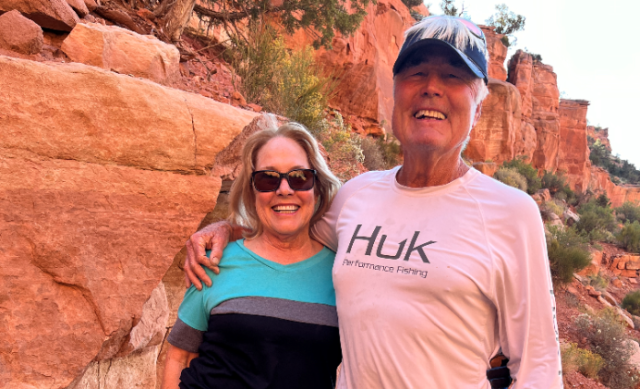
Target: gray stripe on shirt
(297,311)
(185,337)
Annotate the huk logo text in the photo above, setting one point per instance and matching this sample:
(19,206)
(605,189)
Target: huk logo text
(372,240)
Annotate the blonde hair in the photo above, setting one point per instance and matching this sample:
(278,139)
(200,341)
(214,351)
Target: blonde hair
(242,198)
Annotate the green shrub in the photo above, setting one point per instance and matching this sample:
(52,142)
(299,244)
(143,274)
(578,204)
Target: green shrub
(629,237)
(511,177)
(343,145)
(607,337)
(373,157)
(584,361)
(553,182)
(631,302)
(534,183)
(628,212)
(554,207)
(391,150)
(289,84)
(599,281)
(557,185)
(568,254)
(596,221)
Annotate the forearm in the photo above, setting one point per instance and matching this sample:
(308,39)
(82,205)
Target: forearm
(177,360)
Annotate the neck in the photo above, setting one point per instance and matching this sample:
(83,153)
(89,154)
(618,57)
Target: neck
(422,169)
(284,250)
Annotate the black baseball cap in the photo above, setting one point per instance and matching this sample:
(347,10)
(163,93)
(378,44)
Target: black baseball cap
(461,35)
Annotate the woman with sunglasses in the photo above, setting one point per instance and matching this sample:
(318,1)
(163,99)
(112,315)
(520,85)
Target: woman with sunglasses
(269,318)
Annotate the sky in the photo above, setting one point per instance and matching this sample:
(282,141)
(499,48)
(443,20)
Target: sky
(594,48)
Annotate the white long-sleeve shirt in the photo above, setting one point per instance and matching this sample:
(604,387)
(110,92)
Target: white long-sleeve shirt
(432,282)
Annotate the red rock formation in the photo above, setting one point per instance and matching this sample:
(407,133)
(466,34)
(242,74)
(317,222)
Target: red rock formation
(53,14)
(20,34)
(601,134)
(79,6)
(497,53)
(102,178)
(573,156)
(123,51)
(538,88)
(363,63)
(493,138)
(601,182)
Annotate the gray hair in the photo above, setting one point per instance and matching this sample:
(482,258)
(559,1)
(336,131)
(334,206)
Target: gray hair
(242,198)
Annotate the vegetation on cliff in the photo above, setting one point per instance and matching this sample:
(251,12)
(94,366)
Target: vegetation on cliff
(622,170)
(322,17)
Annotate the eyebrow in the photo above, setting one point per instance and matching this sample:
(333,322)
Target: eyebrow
(276,170)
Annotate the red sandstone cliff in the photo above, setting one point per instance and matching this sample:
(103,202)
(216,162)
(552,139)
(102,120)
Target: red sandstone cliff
(363,63)
(573,157)
(601,134)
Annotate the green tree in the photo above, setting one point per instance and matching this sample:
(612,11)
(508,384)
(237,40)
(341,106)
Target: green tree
(412,3)
(449,8)
(283,82)
(629,237)
(506,22)
(322,17)
(628,212)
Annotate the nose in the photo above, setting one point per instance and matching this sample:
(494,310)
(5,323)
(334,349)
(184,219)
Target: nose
(284,189)
(432,85)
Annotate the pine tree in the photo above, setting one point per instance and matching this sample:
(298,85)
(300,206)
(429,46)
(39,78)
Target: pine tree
(321,17)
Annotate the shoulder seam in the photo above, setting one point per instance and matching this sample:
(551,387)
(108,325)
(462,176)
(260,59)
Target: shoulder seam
(353,194)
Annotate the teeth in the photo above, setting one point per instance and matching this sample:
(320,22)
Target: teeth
(286,208)
(429,114)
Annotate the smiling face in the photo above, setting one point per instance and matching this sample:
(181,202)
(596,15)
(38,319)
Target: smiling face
(435,105)
(284,214)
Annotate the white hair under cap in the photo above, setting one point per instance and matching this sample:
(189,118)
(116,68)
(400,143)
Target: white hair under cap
(447,28)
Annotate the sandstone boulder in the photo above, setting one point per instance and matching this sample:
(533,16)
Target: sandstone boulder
(79,6)
(228,162)
(123,51)
(102,179)
(52,14)
(91,5)
(493,137)
(91,115)
(20,34)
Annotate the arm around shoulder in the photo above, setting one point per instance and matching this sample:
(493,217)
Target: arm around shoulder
(215,236)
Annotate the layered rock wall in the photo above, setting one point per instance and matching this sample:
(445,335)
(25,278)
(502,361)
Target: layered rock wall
(573,155)
(363,64)
(600,134)
(497,53)
(102,178)
(538,88)
(493,139)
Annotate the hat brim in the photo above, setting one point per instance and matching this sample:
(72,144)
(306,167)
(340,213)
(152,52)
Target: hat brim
(423,44)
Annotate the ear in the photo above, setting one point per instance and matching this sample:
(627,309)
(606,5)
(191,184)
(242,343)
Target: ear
(476,116)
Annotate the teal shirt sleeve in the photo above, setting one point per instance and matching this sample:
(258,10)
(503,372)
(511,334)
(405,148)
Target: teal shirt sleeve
(193,311)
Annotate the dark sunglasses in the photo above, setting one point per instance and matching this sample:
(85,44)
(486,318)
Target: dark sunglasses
(269,180)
